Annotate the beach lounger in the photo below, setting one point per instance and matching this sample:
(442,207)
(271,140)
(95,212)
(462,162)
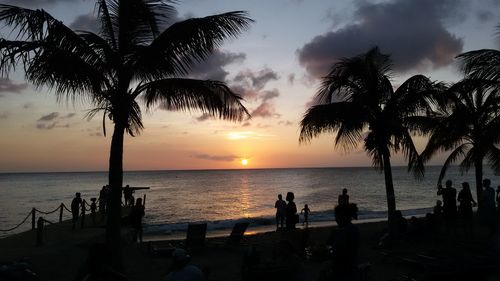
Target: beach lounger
(195,239)
(237,233)
(234,239)
(196,234)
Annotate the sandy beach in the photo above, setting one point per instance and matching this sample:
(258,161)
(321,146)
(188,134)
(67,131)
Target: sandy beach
(422,255)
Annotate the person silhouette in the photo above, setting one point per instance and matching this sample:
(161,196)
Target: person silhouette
(449,205)
(127,195)
(306,211)
(465,208)
(181,269)
(76,203)
(136,215)
(487,210)
(280,206)
(291,211)
(93,209)
(344,253)
(343,198)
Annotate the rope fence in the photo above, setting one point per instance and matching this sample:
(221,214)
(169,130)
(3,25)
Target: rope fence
(38,225)
(18,225)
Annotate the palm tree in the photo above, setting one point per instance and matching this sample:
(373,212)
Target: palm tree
(356,101)
(468,124)
(135,57)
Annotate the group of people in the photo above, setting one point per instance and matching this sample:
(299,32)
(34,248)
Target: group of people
(286,213)
(134,218)
(447,210)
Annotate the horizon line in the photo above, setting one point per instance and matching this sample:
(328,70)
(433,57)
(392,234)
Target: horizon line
(207,169)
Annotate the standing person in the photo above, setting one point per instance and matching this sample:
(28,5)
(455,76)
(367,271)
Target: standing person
(291,211)
(102,200)
(345,246)
(76,203)
(93,208)
(306,211)
(127,195)
(280,206)
(343,198)
(465,208)
(136,215)
(449,206)
(487,208)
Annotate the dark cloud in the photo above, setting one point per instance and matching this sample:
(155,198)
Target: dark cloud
(265,110)
(203,117)
(4,115)
(33,3)
(291,78)
(246,124)
(213,67)
(44,126)
(411,31)
(245,92)
(54,120)
(250,84)
(68,116)
(49,117)
(223,158)
(285,123)
(86,22)
(257,80)
(269,95)
(8,86)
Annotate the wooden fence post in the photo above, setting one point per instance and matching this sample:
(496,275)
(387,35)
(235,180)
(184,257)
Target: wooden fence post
(39,232)
(144,201)
(61,212)
(33,213)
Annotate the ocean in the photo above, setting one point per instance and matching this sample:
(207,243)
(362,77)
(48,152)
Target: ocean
(223,197)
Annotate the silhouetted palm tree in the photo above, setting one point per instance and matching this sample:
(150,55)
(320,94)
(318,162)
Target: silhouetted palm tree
(468,124)
(357,102)
(136,54)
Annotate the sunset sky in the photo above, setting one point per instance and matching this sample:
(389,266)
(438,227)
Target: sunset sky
(275,66)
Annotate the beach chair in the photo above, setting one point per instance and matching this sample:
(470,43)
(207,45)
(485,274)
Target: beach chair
(196,234)
(237,233)
(234,239)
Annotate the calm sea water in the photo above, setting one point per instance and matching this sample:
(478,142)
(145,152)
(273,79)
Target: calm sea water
(221,197)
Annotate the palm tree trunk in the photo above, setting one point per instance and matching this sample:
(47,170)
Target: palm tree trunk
(478,165)
(389,187)
(115,182)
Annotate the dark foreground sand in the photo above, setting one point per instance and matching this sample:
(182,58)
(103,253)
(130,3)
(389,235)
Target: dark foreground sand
(413,256)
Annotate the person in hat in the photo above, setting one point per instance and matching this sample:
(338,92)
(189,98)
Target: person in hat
(181,270)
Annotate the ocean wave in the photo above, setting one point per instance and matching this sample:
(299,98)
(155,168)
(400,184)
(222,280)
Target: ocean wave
(321,216)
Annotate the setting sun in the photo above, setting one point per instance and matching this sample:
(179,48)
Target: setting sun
(244,161)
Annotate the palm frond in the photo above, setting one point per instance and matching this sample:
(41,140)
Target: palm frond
(493,156)
(211,97)
(481,64)
(185,43)
(342,117)
(460,151)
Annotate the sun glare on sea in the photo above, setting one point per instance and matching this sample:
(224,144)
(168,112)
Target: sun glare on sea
(244,162)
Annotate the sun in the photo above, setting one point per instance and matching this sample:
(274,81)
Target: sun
(244,162)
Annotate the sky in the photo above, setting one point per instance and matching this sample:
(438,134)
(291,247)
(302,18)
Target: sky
(276,66)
